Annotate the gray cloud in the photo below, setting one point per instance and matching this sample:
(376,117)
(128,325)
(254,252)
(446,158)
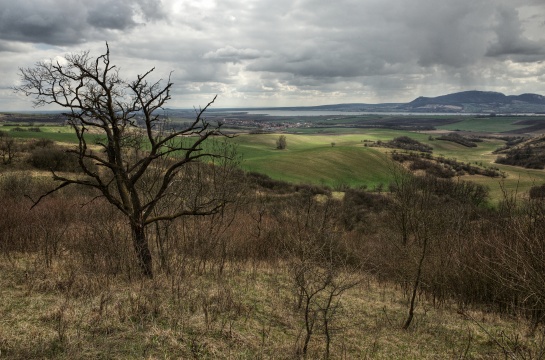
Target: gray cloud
(65,22)
(111,14)
(510,41)
(231,54)
(293,52)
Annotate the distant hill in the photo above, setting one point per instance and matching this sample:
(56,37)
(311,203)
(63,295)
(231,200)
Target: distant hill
(479,102)
(349,107)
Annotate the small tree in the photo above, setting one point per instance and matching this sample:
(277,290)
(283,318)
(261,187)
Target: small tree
(8,148)
(142,167)
(318,267)
(281,143)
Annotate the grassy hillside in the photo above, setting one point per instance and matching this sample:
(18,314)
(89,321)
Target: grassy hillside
(56,133)
(311,158)
(230,286)
(248,313)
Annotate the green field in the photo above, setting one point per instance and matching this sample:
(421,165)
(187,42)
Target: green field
(55,133)
(311,158)
(491,125)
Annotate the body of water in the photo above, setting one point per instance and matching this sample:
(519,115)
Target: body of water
(341,113)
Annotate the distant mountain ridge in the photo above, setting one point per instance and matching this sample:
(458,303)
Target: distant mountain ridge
(474,101)
(478,101)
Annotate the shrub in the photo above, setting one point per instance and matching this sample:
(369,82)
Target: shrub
(16,184)
(43,143)
(406,143)
(265,182)
(537,192)
(528,157)
(459,139)
(282,142)
(54,158)
(8,149)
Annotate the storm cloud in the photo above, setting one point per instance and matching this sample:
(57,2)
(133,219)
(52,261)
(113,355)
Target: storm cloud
(68,22)
(285,52)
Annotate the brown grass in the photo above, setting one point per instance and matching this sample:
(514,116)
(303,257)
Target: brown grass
(249,312)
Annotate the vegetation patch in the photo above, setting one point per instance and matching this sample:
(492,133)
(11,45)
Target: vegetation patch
(527,157)
(459,139)
(405,143)
(537,192)
(524,152)
(443,167)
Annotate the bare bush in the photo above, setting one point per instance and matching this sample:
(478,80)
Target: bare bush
(515,256)
(8,149)
(432,224)
(318,267)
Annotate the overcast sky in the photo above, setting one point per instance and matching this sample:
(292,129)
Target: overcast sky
(288,52)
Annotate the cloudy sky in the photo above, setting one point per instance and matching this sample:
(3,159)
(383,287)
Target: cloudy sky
(288,52)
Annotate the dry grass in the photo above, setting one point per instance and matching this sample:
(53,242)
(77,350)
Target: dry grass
(70,287)
(249,312)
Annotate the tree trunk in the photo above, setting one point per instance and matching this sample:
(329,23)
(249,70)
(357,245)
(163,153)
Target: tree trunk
(141,247)
(416,285)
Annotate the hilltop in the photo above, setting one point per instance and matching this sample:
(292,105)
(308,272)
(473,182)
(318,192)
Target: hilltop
(478,101)
(485,102)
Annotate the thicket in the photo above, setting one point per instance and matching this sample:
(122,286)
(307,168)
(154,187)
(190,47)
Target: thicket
(459,204)
(460,139)
(40,154)
(44,155)
(537,192)
(510,141)
(30,129)
(8,148)
(526,156)
(442,167)
(406,143)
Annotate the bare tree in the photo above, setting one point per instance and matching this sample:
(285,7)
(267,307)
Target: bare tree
(415,212)
(318,268)
(141,164)
(516,252)
(8,148)
(412,210)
